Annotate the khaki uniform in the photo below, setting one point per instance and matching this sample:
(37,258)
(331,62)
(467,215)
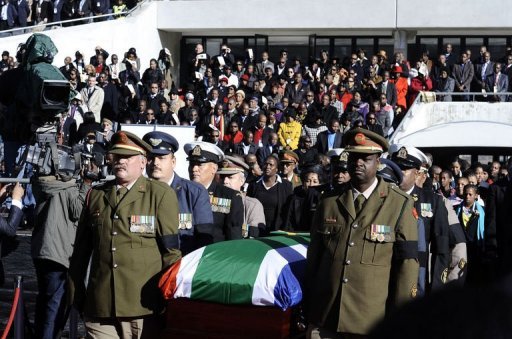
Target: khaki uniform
(359,266)
(130,244)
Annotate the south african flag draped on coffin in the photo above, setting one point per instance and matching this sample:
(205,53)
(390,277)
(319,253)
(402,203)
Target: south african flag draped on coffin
(265,272)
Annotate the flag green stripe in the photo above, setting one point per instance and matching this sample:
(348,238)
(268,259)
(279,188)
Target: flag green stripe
(227,270)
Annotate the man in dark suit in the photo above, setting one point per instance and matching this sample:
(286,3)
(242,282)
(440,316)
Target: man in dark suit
(8,226)
(497,82)
(23,12)
(332,138)
(388,88)
(270,147)
(463,74)
(153,98)
(482,71)
(244,119)
(498,222)
(296,91)
(247,146)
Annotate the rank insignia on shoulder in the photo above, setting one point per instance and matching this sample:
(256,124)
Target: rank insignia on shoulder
(330,220)
(415,197)
(380,233)
(444,276)
(462,263)
(414,291)
(426,210)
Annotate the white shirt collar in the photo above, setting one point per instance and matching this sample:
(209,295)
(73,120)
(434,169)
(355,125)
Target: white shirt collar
(172,179)
(367,192)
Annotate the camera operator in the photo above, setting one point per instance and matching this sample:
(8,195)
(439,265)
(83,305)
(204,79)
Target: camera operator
(8,225)
(59,205)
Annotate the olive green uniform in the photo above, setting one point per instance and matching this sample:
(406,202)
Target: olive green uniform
(360,266)
(131,242)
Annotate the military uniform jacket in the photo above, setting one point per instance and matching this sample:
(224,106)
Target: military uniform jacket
(195,218)
(129,244)
(435,231)
(360,265)
(228,212)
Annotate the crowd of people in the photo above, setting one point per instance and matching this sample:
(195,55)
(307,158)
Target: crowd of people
(34,14)
(279,145)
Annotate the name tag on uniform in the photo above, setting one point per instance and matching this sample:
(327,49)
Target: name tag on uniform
(221,205)
(380,233)
(185,221)
(142,224)
(426,210)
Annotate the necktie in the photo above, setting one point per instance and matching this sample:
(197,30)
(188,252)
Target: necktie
(121,192)
(359,203)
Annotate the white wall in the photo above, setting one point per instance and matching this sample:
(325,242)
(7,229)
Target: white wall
(266,15)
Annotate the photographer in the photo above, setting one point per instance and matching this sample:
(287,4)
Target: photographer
(8,225)
(59,205)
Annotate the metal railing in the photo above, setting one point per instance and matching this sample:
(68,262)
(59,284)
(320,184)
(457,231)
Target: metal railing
(72,22)
(473,96)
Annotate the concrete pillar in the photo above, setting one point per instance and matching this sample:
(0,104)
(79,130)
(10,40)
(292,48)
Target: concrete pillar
(401,41)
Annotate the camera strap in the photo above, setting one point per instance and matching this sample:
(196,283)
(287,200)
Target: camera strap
(55,157)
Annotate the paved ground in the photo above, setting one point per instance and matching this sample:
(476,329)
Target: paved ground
(20,263)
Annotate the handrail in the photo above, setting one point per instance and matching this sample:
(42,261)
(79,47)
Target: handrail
(85,20)
(471,94)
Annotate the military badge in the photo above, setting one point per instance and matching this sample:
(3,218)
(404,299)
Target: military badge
(402,153)
(185,221)
(144,224)
(444,276)
(380,233)
(344,156)
(415,197)
(196,151)
(221,205)
(155,142)
(426,210)
(462,263)
(360,139)
(414,291)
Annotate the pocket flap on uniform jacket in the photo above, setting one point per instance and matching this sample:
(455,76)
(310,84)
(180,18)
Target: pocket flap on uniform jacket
(328,229)
(380,233)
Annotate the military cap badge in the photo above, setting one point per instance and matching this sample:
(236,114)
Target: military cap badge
(402,153)
(155,142)
(344,156)
(196,151)
(360,139)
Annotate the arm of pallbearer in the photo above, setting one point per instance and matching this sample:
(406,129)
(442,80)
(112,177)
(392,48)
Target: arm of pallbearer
(80,259)
(236,218)
(440,244)
(167,232)
(404,278)
(203,218)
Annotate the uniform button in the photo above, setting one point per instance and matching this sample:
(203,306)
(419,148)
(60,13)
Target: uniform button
(345,280)
(347,262)
(354,226)
(115,265)
(114,233)
(113,249)
(351,244)
(115,216)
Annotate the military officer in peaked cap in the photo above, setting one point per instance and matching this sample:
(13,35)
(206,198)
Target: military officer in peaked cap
(233,175)
(195,218)
(433,229)
(362,259)
(129,239)
(226,203)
